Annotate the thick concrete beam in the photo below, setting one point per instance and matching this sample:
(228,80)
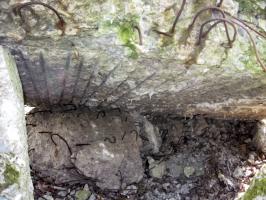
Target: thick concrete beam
(15,181)
(98,60)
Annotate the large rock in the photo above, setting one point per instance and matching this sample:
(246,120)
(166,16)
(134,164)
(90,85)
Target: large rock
(100,61)
(79,145)
(15,181)
(259,139)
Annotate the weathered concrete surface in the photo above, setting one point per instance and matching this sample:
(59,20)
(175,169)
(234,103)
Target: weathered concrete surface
(78,145)
(99,61)
(15,181)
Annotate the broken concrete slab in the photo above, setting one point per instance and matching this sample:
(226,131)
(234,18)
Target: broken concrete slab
(77,145)
(15,181)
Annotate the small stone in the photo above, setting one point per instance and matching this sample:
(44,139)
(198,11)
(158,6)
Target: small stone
(184,189)
(238,172)
(166,186)
(174,169)
(72,192)
(86,187)
(62,193)
(131,189)
(157,170)
(82,195)
(188,171)
(247,141)
(152,133)
(47,197)
(248,173)
(259,139)
(92,197)
(200,126)
(251,157)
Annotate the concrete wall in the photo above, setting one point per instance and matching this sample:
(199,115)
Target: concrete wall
(15,181)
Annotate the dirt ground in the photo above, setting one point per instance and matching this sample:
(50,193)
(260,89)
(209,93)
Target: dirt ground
(200,158)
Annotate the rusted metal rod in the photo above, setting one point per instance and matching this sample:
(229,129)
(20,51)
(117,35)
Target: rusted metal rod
(212,8)
(217,21)
(61,23)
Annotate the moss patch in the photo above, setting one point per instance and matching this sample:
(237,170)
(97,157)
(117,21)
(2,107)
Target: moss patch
(248,7)
(250,60)
(258,189)
(11,175)
(126,32)
(82,195)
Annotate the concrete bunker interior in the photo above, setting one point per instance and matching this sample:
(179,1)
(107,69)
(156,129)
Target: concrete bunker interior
(133,99)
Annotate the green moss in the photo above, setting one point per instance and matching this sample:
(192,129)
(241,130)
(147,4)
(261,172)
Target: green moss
(82,195)
(126,32)
(197,5)
(251,6)
(250,60)
(11,175)
(258,189)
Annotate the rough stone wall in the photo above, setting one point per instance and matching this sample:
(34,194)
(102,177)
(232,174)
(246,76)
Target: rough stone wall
(15,181)
(98,60)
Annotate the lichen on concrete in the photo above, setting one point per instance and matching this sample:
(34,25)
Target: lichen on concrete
(11,174)
(126,32)
(248,7)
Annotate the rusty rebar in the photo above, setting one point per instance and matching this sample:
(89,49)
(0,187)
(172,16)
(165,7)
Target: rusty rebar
(251,39)
(60,24)
(220,3)
(218,21)
(69,148)
(247,25)
(223,15)
(140,34)
(172,30)
(55,134)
